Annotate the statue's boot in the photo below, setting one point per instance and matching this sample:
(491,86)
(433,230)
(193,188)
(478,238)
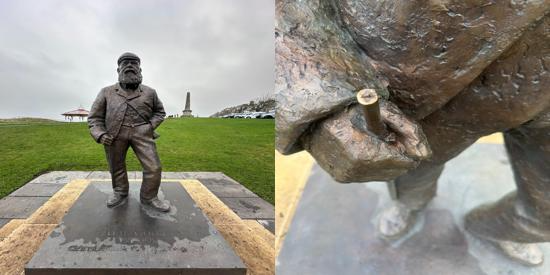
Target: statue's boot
(396,220)
(497,223)
(525,253)
(116,199)
(157,204)
(411,193)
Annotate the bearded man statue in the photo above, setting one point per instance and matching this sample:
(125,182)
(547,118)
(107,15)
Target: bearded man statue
(125,115)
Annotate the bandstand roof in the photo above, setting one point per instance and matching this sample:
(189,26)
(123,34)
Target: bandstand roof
(77,112)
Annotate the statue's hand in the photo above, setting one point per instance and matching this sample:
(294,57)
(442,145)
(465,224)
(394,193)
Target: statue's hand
(106,139)
(344,147)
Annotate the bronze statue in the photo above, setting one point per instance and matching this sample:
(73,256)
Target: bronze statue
(447,72)
(125,115)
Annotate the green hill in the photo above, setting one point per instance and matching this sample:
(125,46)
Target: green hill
(242,149)
(25,120)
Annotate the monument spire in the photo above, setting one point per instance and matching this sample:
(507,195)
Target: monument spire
(187,110)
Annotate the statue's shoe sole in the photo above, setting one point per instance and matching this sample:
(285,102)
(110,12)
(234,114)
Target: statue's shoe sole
(156,208)
(118,203)
(394,229)
(526,254)
(475,222)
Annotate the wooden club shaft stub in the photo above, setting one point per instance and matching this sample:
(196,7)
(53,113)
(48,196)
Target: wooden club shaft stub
(368,98)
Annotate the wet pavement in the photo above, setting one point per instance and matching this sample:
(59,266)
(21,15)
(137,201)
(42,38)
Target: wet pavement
(21,203)
(334,227)
(132,237)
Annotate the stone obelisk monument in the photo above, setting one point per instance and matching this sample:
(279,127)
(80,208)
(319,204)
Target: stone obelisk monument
(187,111)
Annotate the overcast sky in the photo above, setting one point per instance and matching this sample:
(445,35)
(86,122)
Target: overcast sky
(57,55)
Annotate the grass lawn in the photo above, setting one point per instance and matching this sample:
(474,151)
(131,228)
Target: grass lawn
(241,148)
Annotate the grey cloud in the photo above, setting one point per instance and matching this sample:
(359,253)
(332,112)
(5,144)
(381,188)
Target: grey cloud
(56,55)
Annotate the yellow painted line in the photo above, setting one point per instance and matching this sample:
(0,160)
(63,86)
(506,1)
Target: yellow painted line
(18,247)
(291,174)
(19,239)
(136,180)
(9,227)
(256,253)
(260,230)
(495,138)
(57,206)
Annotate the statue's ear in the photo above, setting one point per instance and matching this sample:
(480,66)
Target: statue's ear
(118,70)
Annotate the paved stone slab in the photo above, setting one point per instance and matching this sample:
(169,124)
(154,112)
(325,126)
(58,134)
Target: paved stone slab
(96,175)
(268,224)
(334,227)
(19,207)
(37,190)
(9,227)
(258,229)
(4,222)
(20,245)
(224,188)
(250,208)
(203,175)
(60,177)
(257,254)
(131,238)
(132,175)
(52,211)
(171,175)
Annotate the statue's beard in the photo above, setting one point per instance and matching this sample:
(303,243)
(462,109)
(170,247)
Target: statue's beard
(130,79)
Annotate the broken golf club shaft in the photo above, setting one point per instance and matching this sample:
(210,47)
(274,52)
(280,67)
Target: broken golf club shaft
(368,98)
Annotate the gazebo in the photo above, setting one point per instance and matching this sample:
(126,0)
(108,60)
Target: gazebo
(80,112)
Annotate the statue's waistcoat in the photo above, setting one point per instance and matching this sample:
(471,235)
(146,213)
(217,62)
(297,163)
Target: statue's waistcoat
(109,109)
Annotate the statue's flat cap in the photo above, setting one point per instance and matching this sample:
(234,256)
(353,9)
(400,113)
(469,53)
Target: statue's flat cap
(128,55)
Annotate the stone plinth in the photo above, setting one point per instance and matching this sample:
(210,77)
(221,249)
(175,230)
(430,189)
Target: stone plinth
(187,113)
(134,239)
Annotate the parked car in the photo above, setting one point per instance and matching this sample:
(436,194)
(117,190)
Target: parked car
(253,115)
(268,115)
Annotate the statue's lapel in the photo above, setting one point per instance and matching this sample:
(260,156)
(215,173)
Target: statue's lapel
(121,92)
(135,94)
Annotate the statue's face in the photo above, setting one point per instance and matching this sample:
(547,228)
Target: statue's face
(129,73)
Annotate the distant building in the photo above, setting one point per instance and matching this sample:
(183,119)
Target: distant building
(80,113)
(187,111)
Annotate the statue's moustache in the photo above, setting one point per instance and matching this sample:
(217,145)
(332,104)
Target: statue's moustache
(130,69)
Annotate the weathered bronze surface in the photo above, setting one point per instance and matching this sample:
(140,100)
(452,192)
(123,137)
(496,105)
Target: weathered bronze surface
(447,72)
(125,115)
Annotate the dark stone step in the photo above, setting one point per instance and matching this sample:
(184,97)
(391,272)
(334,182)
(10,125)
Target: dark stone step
(134,239)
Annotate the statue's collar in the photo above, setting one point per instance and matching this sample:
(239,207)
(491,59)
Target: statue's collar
(120,91)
